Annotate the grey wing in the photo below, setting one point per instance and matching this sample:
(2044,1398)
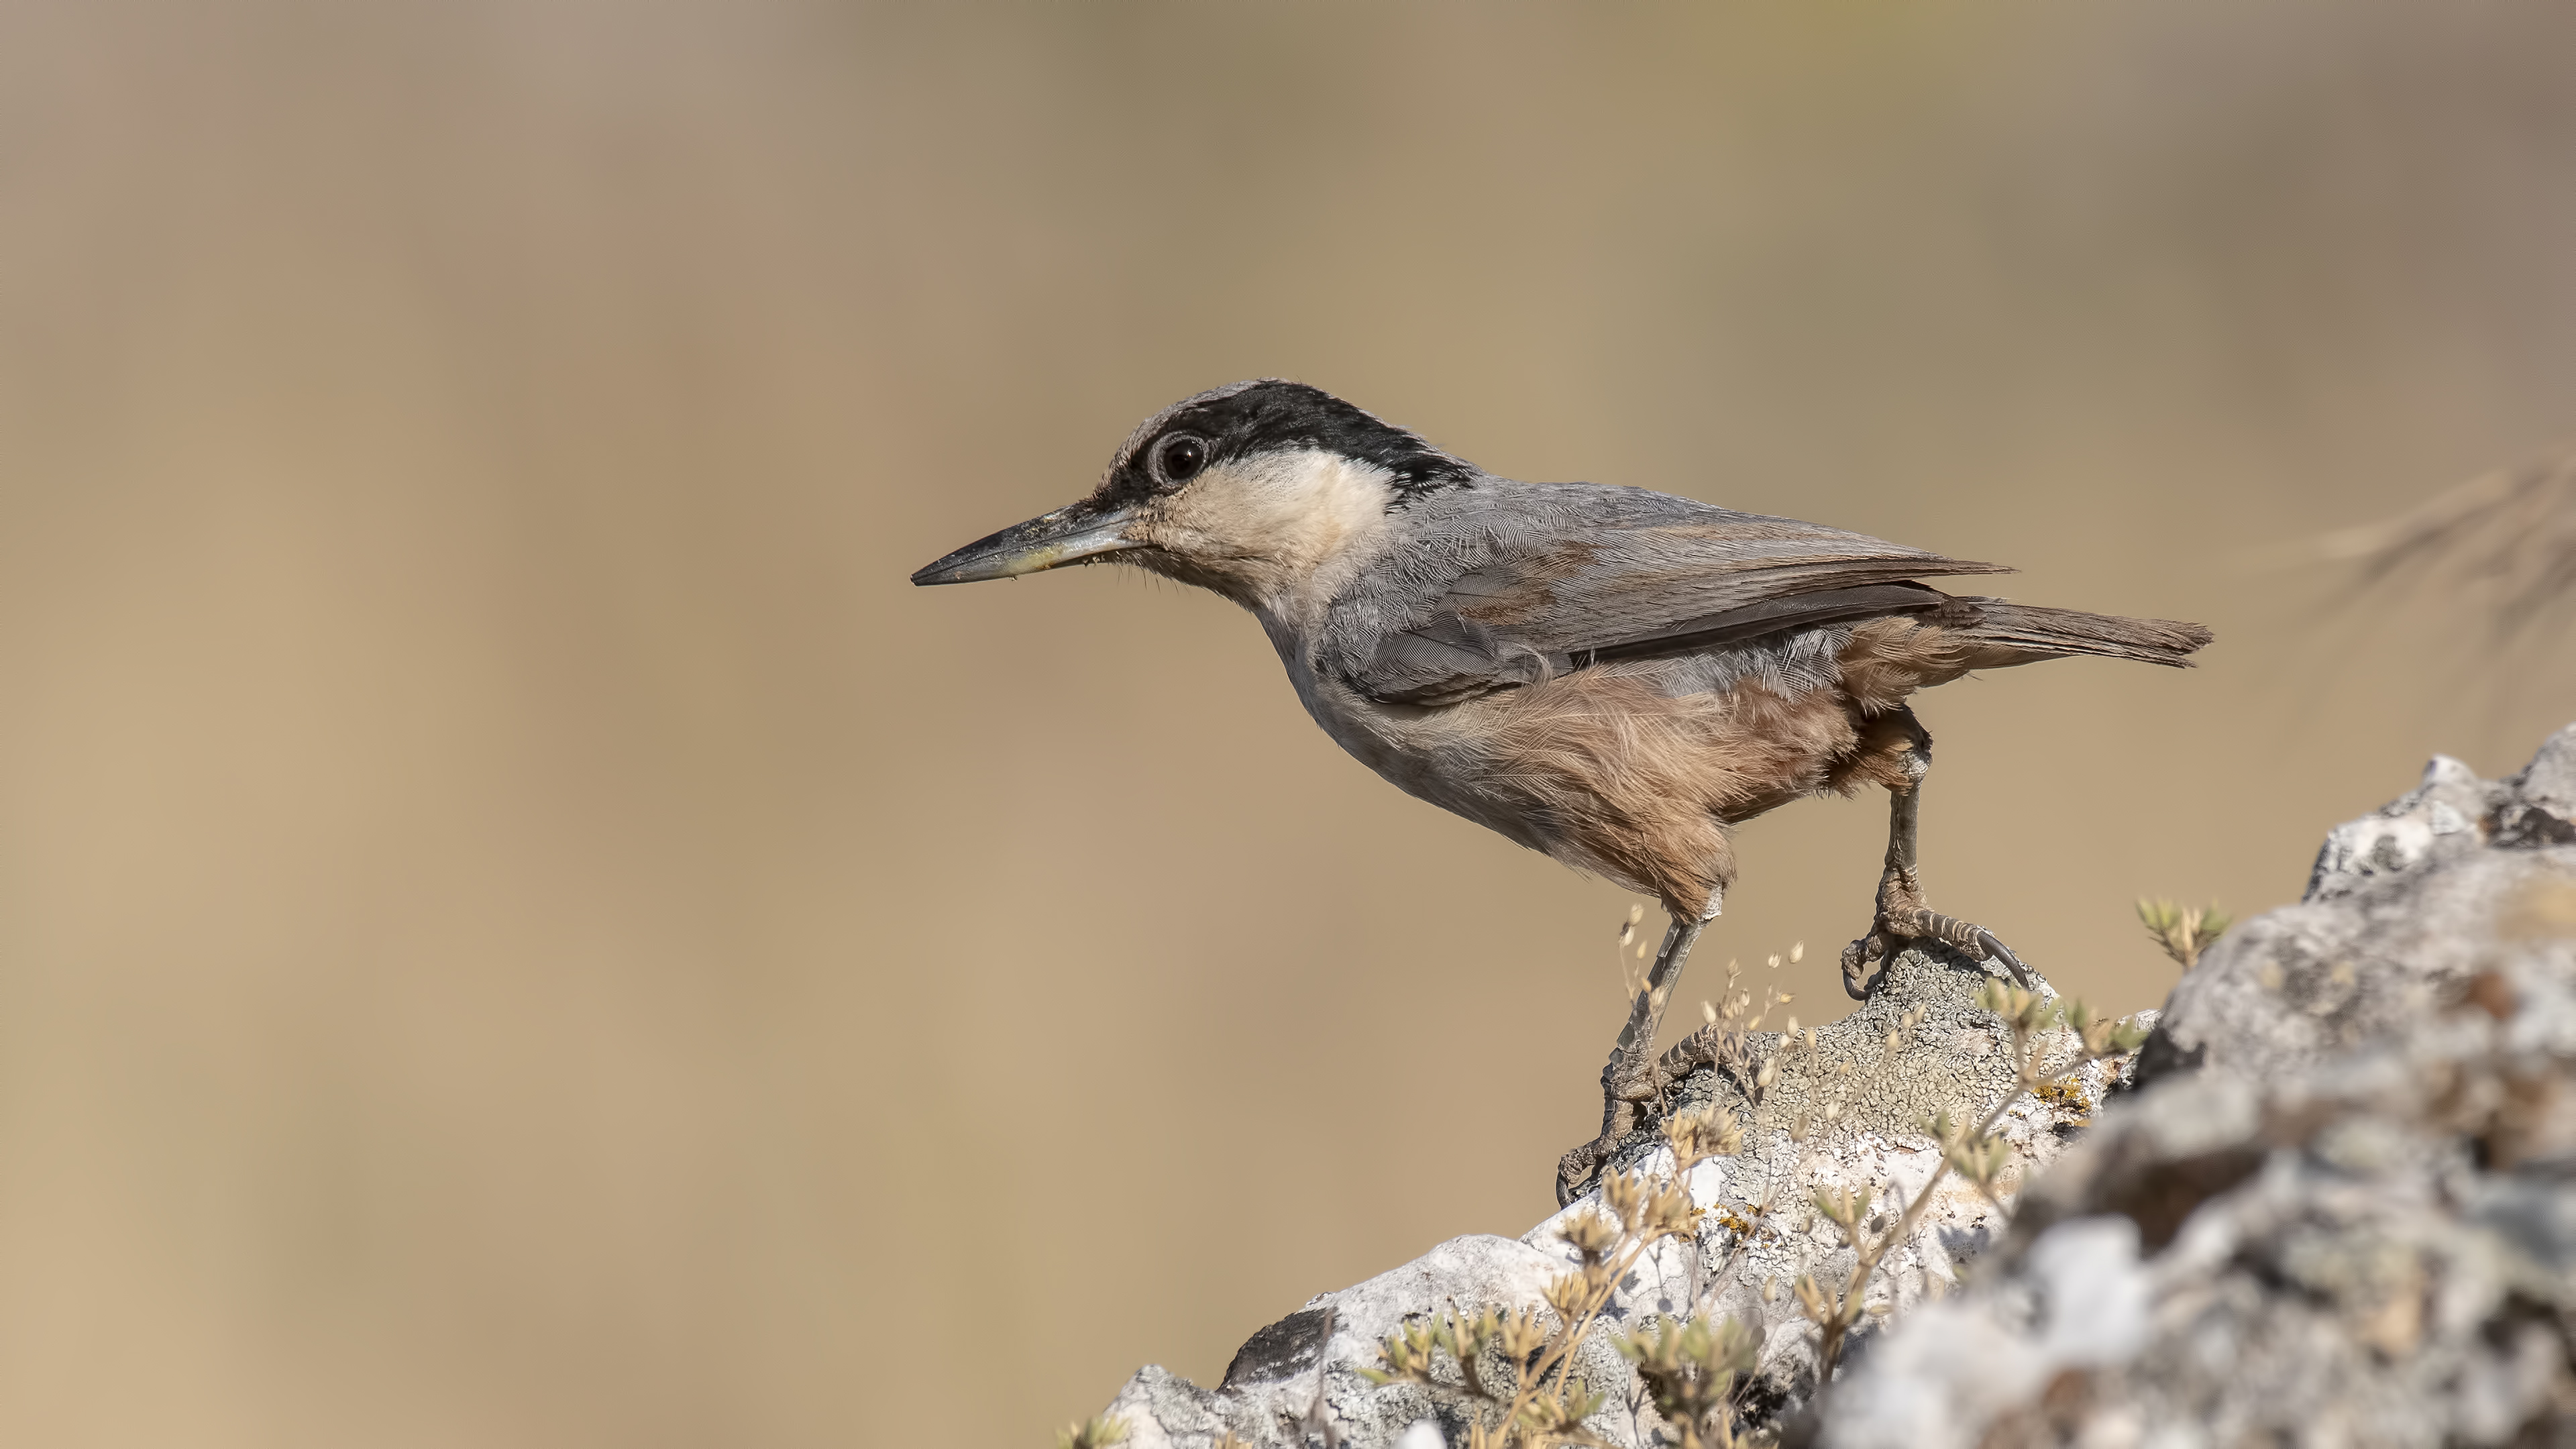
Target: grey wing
(1534,590)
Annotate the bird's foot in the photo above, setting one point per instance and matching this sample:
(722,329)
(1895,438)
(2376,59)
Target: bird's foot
(1902,917)
(1627,1087)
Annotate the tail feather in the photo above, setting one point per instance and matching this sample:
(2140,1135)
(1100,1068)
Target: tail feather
(2023,633)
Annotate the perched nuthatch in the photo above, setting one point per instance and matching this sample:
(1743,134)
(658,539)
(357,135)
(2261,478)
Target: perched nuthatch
(1611,676)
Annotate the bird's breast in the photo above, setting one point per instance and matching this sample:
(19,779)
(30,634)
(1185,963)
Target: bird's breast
(1435,753)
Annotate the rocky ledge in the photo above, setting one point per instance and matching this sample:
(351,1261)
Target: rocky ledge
(2332,1200)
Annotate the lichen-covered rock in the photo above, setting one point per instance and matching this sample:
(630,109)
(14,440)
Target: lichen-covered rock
(1851,1112)
(1299,1375)
(2400,911)
(2338,1207)
(1845,1108)
(2356,1226)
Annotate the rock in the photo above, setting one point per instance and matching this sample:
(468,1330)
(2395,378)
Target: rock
(2355,1226)
(1820,1126)
(1847,1111)
(2392,924)
(2335,1202)
(1301,1374)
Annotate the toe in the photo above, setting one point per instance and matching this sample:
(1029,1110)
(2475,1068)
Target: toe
(1574,1172)
(1858,957)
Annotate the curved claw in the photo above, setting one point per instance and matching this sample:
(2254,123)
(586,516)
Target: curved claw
(1970,937)
(1998,951)
(1858,957)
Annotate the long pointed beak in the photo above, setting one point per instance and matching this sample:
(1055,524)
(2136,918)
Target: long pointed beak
(1072,533)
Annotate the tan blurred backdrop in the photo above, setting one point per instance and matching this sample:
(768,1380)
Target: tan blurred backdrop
(518,927)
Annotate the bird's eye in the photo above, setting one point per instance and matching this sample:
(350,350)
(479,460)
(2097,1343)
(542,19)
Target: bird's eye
(1181,458)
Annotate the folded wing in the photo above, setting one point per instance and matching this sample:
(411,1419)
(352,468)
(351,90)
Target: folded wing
(1621,574)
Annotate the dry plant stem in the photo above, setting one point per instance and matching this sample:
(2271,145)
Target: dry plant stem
(1560,1355)
(1635,1214)
(1855,1298)
(2509,536)
(2028,1017)
(1704,1302)
(1725,1041)
(1630,979)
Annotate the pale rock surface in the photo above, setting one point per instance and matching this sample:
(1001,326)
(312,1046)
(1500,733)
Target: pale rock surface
(1848,1111)
(2340,1208)
(2400,910)
(2355,1225)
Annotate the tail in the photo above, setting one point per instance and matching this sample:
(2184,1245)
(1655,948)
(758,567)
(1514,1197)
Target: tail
(2008,634)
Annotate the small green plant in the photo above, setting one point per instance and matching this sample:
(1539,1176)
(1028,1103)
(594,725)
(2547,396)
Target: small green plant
(1692,1371)
(1098,1433)
(2183,932)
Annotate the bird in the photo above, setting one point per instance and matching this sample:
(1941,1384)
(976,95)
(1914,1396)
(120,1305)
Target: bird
(1608,675)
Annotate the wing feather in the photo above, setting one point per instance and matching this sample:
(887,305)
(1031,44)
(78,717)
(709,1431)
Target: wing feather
(1520,603)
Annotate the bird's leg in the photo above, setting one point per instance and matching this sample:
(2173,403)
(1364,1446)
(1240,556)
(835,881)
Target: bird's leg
(1632,1076)
(1902,914)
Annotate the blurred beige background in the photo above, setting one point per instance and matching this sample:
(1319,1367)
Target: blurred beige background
(518,927)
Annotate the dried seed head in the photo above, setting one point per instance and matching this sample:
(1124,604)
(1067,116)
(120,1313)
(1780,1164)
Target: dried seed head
(1797,952)
(1811,1298)
(1701,1134)
(1624,1193)
(1099,1433)
(1671,1210)
(1566,1294)
(1590,1234)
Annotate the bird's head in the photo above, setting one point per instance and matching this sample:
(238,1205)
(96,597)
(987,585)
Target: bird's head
(1260,491)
